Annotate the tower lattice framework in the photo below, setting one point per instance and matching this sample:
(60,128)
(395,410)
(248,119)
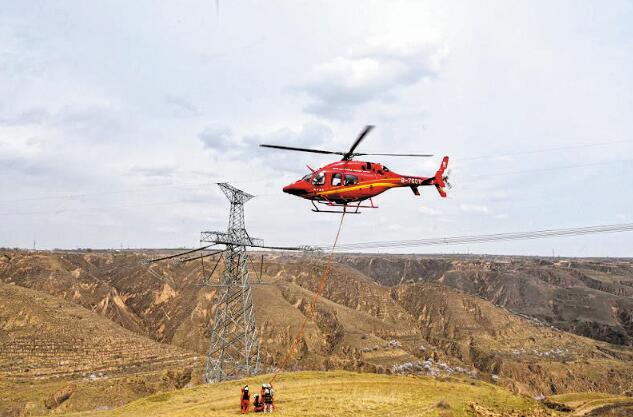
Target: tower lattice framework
(234,344)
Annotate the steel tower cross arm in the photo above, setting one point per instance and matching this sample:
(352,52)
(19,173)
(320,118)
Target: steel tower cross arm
(234,194)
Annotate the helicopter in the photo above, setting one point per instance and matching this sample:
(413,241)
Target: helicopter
(345,186)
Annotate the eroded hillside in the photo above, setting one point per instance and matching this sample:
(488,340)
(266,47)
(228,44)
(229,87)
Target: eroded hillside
(589,297)
(55,354)
(410,326)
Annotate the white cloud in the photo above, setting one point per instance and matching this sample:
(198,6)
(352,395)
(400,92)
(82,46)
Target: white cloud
(474,208)
(428,211)
(394,227)
(309,135)
(218,138)
(372,73)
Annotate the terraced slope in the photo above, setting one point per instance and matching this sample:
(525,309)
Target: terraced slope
(47,343)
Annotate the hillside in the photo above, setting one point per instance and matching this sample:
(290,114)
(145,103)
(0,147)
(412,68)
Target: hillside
(343,394)
(589,297)
(51,349)
(360,325)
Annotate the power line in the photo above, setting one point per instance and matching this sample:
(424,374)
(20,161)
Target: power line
(536,151)
(556,168)
(474,239)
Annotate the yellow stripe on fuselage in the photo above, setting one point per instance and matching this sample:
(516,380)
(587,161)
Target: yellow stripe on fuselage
(376,183)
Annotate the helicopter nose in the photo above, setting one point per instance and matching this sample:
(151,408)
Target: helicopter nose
(295,189)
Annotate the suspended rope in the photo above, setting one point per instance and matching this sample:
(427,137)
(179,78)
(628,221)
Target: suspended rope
(310,311)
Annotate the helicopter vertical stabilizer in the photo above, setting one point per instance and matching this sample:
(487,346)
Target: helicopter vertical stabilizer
(441,180)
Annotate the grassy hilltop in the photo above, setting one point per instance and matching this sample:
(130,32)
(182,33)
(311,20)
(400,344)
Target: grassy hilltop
(340,393)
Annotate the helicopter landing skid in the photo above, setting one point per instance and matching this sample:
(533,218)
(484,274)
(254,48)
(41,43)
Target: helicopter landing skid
(343,208)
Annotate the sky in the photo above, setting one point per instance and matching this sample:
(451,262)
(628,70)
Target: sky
(117,118)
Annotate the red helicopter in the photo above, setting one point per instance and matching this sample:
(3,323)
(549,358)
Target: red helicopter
(345,184)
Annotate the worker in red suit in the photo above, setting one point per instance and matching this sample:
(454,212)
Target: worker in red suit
(245,400)
(258,405)
(267,397)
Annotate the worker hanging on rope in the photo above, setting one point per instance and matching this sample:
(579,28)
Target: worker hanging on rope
(245,400)
(268,397)
(258,405)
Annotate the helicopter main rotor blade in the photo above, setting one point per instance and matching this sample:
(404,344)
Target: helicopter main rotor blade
(350,154)
(291,148)
(421,155)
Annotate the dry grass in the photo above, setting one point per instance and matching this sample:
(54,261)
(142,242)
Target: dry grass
(586,402)
(335,394)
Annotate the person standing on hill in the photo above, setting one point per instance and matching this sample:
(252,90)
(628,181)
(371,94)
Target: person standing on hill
(267,397)
(245,400)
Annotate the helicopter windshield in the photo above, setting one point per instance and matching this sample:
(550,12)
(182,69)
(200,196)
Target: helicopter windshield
(306,177)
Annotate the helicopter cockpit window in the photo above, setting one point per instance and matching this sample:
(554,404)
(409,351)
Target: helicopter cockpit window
(319,179)
(307,177)
(337,179)
(351,179)
(384,168)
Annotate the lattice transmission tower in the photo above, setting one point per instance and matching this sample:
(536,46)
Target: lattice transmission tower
(234,344)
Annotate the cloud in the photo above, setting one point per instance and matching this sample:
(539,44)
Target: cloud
(95,120)
(38,170)
(475,208)
(373,73)
(230,146)
(218,138)
(181,106)
(309,135)
(428,211)
(32,116)
(154,172)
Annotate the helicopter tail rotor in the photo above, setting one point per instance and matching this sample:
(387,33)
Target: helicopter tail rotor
(441,180)
(445,179)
